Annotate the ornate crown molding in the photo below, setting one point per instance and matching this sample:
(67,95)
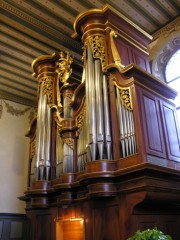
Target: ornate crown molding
(168,29)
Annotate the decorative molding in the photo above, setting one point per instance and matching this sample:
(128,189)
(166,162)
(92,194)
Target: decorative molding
(165,51)
(25,17)
(16,112)
(168,29)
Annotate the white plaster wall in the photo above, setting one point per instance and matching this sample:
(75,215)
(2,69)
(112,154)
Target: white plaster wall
(14,151)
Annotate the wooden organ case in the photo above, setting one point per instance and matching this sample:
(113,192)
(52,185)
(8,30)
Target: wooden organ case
(104,152)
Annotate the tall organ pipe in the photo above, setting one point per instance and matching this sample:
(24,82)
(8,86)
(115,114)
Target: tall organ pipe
(121,126)
(91,101)
(39,133)
(99,108)
(48,141)
(106,117)
(43,136)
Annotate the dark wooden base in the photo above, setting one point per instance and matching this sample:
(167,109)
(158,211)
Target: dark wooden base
(113,203)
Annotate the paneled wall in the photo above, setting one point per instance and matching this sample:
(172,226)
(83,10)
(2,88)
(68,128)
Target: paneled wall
(14,226)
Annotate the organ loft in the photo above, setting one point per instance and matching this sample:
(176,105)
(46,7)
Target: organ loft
(104,157)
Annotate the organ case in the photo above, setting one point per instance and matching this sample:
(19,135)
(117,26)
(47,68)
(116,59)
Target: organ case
(107,147)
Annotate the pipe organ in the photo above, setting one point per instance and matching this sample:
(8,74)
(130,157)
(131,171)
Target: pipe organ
(101,148)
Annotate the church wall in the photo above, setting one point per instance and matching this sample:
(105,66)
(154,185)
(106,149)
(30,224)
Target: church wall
(14,149)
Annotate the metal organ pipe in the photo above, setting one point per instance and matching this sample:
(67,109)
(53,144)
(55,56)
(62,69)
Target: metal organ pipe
(59,155)
(91,101)
(98,132)
(48,141)
(107,126)
(38,134)
(121,127)
(99,108)
(43,137)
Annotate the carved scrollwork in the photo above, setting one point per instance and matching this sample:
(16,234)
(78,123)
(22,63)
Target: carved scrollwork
(98,46)
(47,84)
(125,96)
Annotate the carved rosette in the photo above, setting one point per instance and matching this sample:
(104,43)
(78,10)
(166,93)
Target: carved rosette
(47,84)
(99,49)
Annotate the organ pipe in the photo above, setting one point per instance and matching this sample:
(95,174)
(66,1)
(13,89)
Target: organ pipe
(91,101)
(99,108)
(107,126)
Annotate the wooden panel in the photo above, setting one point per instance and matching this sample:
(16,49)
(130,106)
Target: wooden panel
(14,226)
(16,230)
(106,223)
(171,131)
(44,220)
(124,52)
(1,228)
(70,230)
(141,61)
(154,138)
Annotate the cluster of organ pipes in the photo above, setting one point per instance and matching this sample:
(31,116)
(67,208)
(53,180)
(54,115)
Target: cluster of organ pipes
(43,137)
(126,123)
(94,139)
(97,110)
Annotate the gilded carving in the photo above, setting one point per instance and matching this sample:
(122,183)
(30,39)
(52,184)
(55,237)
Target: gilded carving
(68,95)
(116,56)
(125,96)
(80,119)
(63,64)
(64,71)
(47,84)
(98,46)
(69,142)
